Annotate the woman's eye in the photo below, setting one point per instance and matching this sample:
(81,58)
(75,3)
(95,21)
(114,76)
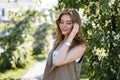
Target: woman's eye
(68,23)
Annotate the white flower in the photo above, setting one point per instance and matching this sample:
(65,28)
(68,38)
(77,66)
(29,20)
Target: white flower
(94,63)
(113,70)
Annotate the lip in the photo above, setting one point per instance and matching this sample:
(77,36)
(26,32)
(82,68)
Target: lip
(64,29)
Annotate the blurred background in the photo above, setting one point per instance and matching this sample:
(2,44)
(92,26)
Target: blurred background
(27,28)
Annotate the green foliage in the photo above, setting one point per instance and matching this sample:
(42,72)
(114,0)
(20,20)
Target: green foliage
(43,31)
(102,31)
(22,36)
(11,41)
(40,38)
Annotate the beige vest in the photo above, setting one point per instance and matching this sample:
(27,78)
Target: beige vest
(69,71)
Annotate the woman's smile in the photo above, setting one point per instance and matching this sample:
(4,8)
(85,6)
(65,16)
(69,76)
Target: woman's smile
(64,30)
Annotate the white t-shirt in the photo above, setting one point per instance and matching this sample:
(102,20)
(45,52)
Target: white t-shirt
(56,52)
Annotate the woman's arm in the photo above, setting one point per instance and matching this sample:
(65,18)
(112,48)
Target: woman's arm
(64,56)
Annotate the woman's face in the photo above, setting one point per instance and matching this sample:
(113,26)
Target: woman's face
(66,24)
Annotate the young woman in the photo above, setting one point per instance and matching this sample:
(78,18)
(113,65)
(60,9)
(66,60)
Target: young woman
(65,59)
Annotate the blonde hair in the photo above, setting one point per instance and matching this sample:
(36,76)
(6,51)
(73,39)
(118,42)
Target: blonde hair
(78,39)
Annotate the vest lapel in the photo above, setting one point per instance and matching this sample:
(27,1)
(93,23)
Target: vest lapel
(51,58)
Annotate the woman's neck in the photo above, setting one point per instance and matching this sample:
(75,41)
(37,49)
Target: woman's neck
(65,38)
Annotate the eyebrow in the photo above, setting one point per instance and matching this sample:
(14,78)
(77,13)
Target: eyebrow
(67,20)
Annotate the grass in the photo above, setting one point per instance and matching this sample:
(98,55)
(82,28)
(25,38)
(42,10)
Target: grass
(13,74)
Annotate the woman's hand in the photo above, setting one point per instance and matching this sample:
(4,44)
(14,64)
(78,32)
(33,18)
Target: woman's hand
(74,30)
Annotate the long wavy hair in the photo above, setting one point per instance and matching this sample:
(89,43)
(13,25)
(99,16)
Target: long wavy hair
(78,39)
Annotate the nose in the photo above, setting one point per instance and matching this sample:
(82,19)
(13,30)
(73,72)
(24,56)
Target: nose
(64,25)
